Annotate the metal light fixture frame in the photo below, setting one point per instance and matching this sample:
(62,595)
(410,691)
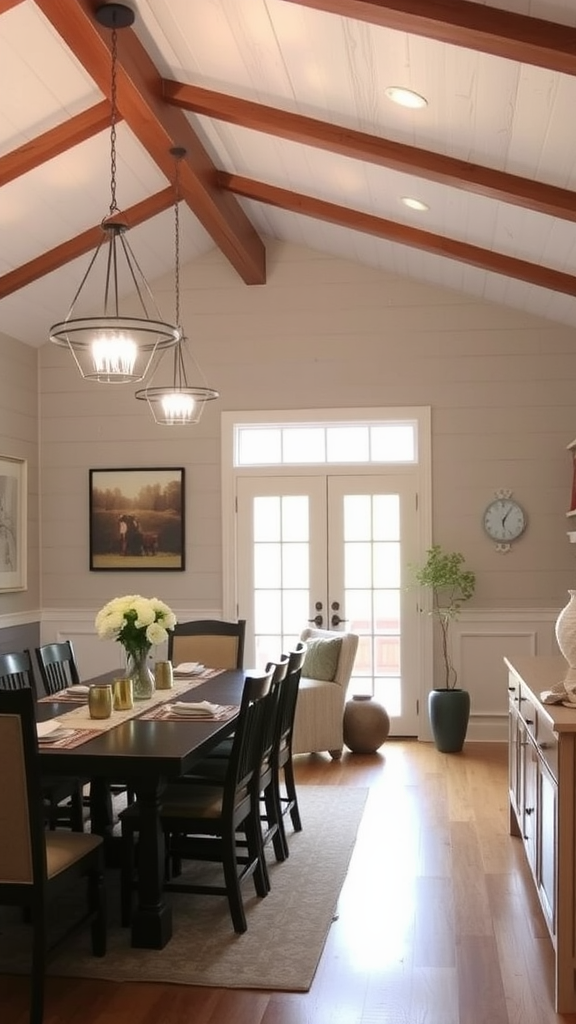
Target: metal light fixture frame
(127,343)
(178,402)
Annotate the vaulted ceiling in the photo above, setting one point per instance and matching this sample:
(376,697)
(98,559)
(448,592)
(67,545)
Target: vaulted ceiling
(282,109)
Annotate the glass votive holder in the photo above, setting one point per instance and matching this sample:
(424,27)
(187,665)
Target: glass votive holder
(100,701)
(163,676)
(123,694)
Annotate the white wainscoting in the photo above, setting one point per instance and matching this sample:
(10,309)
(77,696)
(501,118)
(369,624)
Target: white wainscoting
(95,656)
(481,640)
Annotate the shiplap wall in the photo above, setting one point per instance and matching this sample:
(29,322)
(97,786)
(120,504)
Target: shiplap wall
(326,333)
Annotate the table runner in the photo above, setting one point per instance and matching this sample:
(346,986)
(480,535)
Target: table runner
(87,728)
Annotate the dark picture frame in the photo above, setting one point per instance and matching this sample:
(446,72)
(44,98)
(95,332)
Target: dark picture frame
(137,520)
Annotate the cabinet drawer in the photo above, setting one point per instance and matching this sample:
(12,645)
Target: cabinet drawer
(547,744)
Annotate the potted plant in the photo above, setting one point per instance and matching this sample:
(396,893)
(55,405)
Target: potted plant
(451,584)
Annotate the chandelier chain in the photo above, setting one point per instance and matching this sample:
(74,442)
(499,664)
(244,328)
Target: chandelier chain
(177,238)
(113,119)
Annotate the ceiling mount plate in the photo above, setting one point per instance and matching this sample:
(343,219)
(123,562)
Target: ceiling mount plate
(114,15)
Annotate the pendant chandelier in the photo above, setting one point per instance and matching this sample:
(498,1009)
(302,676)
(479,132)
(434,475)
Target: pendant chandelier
(178,401)
(112,347)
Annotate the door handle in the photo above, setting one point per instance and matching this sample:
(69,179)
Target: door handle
(317,620)
(336,620)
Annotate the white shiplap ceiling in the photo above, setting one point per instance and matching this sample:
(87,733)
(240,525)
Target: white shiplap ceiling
(282,110)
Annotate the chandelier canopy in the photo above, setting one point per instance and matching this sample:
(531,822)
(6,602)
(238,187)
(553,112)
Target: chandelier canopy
(109,346)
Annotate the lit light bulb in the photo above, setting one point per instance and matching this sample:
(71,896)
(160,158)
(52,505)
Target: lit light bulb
(115,356)
(178,407)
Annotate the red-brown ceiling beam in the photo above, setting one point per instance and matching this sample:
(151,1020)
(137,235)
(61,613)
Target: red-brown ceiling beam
(509,188)
(159,127)
(485,259)
(7,5)
(475,26)
(81,244)
(35,152)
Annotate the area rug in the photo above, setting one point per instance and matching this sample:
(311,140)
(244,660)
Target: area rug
(286,930)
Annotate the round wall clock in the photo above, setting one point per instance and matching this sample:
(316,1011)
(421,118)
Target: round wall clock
(504,521)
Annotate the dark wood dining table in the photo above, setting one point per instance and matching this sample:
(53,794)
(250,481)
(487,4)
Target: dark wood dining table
(146,755)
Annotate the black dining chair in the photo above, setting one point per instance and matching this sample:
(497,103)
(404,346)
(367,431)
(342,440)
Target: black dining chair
(63,797)
(58,671)
(284,793)
(211,822)
(211,642)
(57,666)
(38,867)
(212,770)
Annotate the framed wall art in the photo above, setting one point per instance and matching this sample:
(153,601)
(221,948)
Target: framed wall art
(137,520)
(13,523)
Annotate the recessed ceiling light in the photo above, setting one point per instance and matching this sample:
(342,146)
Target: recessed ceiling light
(414,204)
(405,97)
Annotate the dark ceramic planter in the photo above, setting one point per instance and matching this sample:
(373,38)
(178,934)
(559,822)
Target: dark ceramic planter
(449,712)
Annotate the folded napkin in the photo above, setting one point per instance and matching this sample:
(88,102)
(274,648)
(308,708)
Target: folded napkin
(79,689)
(200,709)
(46,728)
(555,697)
(187,668)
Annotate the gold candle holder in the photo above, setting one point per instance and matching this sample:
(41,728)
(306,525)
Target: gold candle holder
(123,694)
(100,701)
(163,676)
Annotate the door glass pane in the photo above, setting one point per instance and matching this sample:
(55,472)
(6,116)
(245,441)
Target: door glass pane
(386,517)
(281,571)
(386,565)
(267,565)
(266,519)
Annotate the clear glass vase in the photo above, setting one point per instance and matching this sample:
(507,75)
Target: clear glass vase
(141,675)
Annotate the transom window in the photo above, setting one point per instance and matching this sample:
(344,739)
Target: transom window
(278,444)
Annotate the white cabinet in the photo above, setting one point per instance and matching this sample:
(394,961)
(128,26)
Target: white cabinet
(542,783)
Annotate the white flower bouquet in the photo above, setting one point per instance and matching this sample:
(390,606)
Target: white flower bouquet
(136,622)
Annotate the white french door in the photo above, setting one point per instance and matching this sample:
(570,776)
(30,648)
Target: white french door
(332,550)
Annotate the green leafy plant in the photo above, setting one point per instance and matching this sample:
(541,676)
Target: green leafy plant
(451,585)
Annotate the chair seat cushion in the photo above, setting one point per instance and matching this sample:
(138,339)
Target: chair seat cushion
(64,848)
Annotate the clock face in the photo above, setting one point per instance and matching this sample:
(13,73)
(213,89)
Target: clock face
(504,520)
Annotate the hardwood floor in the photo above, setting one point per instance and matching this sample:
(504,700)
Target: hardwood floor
(437,922)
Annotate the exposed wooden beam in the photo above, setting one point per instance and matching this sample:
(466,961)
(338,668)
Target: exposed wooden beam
(438,245)
(473,25)
(81,244)
(159,127)
(35,152)
(509,188)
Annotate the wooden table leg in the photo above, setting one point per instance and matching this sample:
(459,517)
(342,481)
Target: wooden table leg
(152,917)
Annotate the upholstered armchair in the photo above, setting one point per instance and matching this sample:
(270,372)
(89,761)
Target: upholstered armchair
(322,693)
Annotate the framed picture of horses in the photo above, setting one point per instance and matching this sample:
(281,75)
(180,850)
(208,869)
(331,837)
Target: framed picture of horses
(137,520)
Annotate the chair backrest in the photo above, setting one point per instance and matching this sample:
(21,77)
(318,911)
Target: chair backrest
(16,671)
(242,773)
(287,704)
(279,671)
(347,655)
(212,642)
(57,666)
(22,850)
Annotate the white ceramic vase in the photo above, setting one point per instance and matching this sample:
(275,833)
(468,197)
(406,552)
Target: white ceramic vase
(566,639)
